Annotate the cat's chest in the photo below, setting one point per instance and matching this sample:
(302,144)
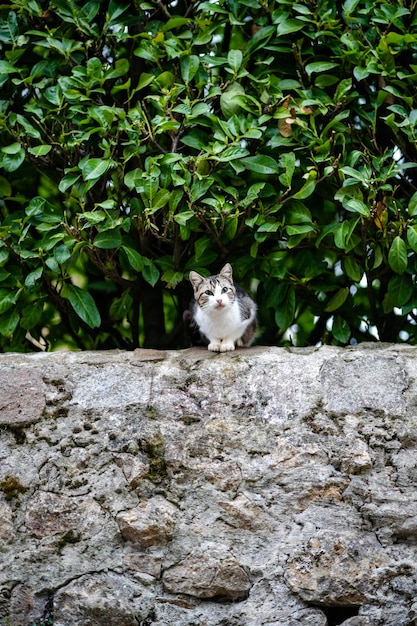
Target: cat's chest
(218,322)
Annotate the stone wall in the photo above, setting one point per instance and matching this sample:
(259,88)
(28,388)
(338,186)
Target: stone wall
(257,488)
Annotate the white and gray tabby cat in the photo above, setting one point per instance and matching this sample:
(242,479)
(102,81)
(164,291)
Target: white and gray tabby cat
(222,312)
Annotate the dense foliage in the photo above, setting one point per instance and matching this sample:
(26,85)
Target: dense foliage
(139,140)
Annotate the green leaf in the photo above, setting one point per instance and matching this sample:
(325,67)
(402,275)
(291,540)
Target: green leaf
(62,253)
(306,190)
(199,189)
(189,66)
(285,311)
(400,290)
(299,229)
(175,22)
(397,256)
(150,273)
(340,329)
(319,66)
(298,213)
(183,217)
(269,227)
(356,206)
(343,233)
(412,237)
(360,73)
(83,304)
(287,161)
(350,5)
(95,168)
(145,79)
(235,59)
(121,307)
(93,217)
(42,209)
(32,314)
(9,322)
(200,247)
(172,278)
(7,299)
(195,139)
(352,269)
(7,68)
(52,263)
(290,26)
(175,198)
(343,89)
(4,255)
(378,257)
(350,171)
(160,199)
(68,181)
(107,204)
(135,259)
(230,102)
(33,277)
(13,148)
(108,239)
(234,152)
(12,161)
(40,150)
(261,164)
(134,178)
(121,67)
(412,205)
(337,300)
(230,228)
(253,193)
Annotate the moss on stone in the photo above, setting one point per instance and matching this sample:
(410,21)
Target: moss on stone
(11,487)
(155,451)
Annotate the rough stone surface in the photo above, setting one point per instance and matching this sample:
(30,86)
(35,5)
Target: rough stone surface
(203,576)
(264,487)
(22,399)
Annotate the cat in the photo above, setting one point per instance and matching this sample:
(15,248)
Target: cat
(222,316)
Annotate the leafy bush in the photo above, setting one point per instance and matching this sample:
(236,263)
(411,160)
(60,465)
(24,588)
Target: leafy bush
(140,140)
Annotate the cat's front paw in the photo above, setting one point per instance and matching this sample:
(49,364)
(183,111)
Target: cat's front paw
(215,346)
(221,346)
(227,346)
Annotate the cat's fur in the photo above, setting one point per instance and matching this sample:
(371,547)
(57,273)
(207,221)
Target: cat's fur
(222,314)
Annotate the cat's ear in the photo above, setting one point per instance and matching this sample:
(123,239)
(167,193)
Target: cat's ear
(227,272)
(195,279)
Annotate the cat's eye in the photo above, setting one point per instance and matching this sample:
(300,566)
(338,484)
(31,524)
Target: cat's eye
(208,292)
(225,290)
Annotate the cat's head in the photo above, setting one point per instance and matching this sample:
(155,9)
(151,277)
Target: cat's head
(214,293)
